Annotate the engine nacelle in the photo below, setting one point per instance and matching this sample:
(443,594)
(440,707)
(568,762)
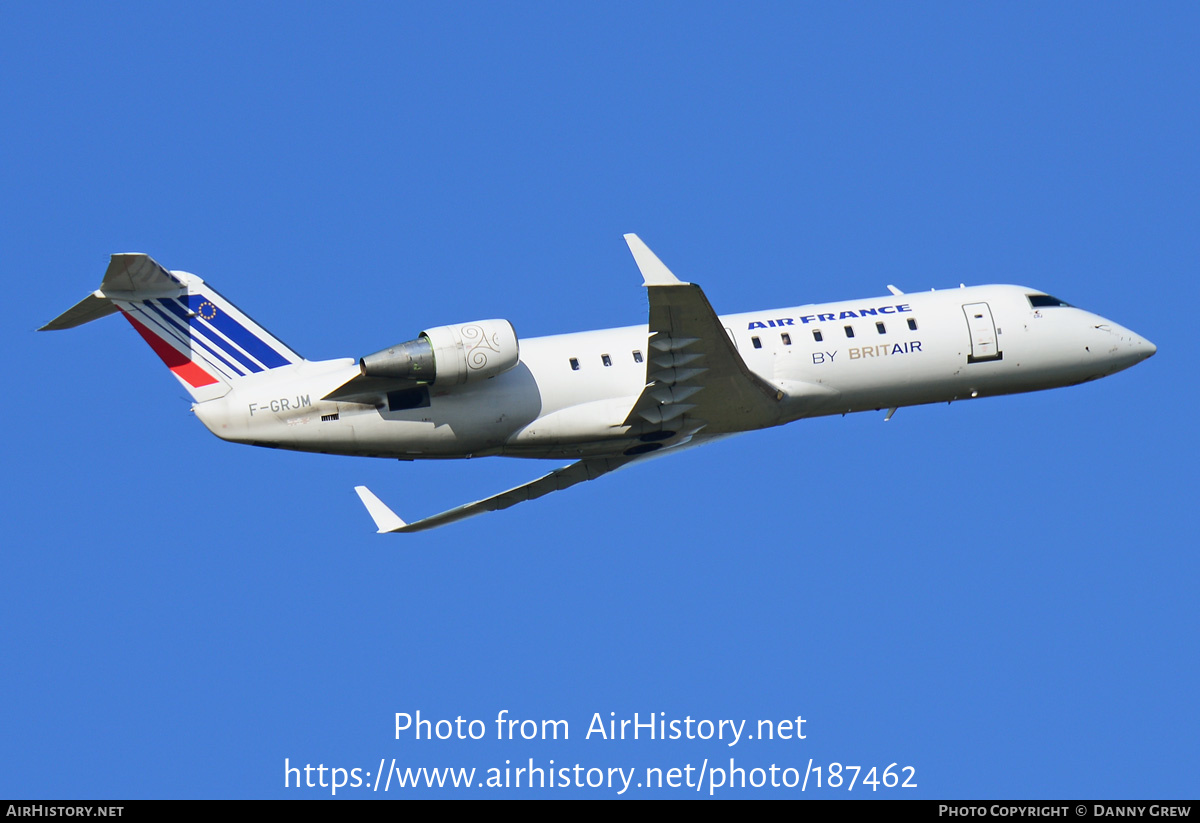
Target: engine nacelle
(449,355)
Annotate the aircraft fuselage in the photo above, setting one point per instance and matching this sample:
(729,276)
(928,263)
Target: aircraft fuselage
(571,395)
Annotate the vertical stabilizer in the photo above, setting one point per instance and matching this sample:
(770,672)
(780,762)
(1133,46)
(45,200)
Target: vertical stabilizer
(206,341)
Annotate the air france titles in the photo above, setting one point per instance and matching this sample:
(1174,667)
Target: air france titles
(830,316)
(854,352)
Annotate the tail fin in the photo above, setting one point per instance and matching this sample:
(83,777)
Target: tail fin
(205,340)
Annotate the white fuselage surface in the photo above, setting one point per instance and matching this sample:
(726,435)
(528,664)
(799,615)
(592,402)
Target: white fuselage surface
(570,394)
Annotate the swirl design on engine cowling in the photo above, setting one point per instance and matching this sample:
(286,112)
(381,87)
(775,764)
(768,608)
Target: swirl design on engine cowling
(478,345)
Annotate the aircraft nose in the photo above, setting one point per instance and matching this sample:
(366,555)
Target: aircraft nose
(1128,348)
(1135,345)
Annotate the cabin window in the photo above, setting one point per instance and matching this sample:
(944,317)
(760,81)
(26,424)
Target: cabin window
(637,356)
(606,360)
(849,331)
(817,335)
(880,328)
(786,338)
(757,343)
(574,364)
(912,324)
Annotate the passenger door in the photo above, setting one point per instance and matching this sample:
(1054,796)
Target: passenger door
(984,344)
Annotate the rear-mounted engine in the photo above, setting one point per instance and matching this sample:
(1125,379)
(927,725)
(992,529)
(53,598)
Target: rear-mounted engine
(449,355)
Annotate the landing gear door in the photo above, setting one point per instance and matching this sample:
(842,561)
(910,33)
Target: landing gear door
(984,345)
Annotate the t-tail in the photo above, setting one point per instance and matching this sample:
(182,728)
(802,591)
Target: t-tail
(206,341)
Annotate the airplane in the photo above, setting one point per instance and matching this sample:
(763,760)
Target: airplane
(604,398)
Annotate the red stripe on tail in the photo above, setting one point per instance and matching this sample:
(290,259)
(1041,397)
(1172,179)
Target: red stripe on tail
(176,361)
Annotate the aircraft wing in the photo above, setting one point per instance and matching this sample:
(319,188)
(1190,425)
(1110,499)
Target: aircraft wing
(695,380)
(694,371)
(387,521)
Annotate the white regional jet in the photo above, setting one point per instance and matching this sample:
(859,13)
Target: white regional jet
(603,398)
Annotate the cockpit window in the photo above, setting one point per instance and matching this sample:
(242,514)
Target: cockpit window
(1041,301)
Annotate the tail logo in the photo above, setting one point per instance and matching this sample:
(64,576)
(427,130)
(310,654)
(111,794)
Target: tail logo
(206,310)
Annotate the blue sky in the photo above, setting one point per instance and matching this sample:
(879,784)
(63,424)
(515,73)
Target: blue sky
(1000,594)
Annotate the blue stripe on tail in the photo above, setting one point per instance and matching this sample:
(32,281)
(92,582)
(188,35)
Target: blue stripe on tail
(235,331)
(194,322)
(189,337)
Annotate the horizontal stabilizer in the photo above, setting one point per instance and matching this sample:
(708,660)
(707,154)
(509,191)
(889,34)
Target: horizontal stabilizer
(90,308)
(387,521)
(139,274)
(128,275)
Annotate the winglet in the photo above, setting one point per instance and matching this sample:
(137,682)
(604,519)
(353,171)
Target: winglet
(385,519)
(654,273)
